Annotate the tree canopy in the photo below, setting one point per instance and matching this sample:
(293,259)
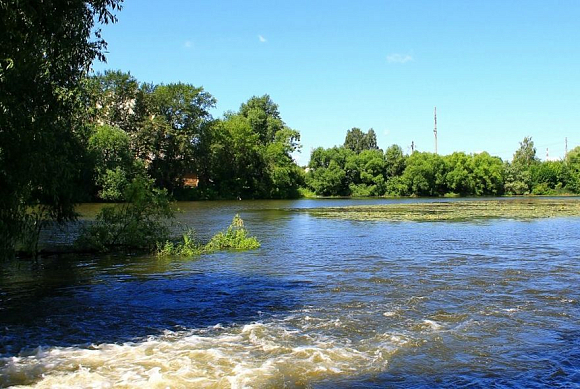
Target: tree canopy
(46,48)
(351,171)
(358,140)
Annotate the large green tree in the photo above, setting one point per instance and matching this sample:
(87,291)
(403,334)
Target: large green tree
(328,173)
(46,48)
(518,173)
(573,167)
(169,135)
(358,140)
(425,174)
(252,153)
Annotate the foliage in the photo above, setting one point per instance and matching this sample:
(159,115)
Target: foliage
(188,248)
(46,49)
(525,156)
(395,161)
(263,116)
(358,141)
(247,154)
(251,153)
(572,164)
(479,174)
(168,136)
(137,224)
(518,180)
(425,174)
(114,165)
(340,171)
(234,238)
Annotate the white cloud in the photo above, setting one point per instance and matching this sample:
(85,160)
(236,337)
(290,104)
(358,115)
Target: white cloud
(399,58)
(262,39)
(188,44)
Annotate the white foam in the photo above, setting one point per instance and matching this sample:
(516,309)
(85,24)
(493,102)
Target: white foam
(431,325)
(254,355)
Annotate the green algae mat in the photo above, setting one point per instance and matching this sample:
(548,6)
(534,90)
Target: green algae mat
(464,210)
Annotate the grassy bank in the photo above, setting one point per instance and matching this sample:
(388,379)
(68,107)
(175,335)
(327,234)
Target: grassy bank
(456,210)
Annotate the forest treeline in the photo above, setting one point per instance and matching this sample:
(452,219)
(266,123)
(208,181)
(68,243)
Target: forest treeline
(360,168)
(165,132)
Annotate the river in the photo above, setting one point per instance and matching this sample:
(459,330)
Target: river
(322,304)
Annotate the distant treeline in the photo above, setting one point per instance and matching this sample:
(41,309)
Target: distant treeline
(360,168)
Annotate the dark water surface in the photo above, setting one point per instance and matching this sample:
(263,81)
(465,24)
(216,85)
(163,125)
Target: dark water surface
(323,303)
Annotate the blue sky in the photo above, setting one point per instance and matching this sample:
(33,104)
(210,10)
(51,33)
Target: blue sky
(496,70)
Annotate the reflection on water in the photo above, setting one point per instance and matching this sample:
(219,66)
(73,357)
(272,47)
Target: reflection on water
(323,303)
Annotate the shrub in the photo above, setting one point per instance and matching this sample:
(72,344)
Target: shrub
(234,238)
(139,223)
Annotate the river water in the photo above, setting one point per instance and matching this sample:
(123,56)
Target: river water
(322,304)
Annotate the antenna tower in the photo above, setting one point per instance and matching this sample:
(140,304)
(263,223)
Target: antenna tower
(435,130)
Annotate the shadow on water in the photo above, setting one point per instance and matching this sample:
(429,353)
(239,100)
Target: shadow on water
(66,302)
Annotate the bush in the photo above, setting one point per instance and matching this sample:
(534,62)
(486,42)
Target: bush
(138,224)
(234,238)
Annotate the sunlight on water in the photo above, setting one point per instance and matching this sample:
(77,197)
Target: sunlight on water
(254,355)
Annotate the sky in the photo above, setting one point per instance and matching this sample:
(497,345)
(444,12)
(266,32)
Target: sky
(497,71)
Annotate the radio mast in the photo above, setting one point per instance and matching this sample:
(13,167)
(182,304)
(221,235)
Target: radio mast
(435,130)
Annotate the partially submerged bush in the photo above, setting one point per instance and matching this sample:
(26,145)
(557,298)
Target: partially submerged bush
(187,248)
(234,238)
(139,223)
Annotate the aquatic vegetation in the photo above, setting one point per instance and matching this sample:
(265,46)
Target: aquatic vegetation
(456,210)
(234,238)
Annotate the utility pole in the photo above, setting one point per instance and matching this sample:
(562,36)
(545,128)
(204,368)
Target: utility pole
(435,130)
(412,147)
(566,147)
(547,154)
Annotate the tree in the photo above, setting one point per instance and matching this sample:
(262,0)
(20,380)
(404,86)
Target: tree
(370,178)
(459,178)
(525,156)
(573,167)
(330,171)
(46,48)
(111,99)
(173,119)
(425,174)
(236,159)
(357,140)
(252,153)
(371,140)
(488,175)
(395,161)
(263,116)
(519,173)
(114,165)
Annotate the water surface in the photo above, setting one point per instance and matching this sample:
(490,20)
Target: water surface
(323,303)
